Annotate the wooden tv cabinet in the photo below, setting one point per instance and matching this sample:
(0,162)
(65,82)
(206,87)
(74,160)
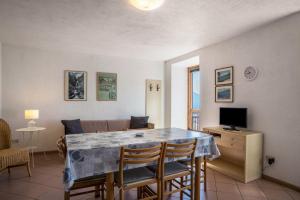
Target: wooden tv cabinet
(241,153)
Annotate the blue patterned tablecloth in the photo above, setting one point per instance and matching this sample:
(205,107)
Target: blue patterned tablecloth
(92,154)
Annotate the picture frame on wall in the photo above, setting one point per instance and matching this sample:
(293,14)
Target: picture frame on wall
(75,85)
(106,86)
(224,94)
(224,76)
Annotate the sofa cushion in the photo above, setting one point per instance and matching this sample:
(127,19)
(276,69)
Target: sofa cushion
(94,126)
(139,122)
(118,125)
(72,126)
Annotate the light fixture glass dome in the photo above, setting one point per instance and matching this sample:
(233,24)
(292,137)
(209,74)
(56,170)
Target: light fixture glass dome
(146,4)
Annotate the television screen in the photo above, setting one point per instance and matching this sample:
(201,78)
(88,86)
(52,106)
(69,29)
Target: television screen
(233,117)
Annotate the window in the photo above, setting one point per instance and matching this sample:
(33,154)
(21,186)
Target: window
(194,102)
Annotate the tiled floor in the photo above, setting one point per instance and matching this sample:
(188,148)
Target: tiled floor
(46,184)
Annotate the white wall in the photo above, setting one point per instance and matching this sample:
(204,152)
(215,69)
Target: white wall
(34,78)
(272,99)
(0,80)
(179,97)
(179,91)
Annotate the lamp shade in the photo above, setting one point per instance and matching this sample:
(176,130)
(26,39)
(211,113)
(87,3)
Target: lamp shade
(31,114)
(146,4)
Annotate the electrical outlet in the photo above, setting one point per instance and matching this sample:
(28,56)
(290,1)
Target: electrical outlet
(270,160)
(15,141)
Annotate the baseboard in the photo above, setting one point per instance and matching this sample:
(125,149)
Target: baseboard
(280,182)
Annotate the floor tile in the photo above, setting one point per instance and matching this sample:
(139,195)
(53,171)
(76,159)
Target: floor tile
(295,195)
(264,184)
(6,196)
(45,180)
(23,188)
(251,191)
(52,194)
(227,188)
(46,184)
(275,194)
(254,198)
(220,178)
(211,186)
(209,195)
(229,196)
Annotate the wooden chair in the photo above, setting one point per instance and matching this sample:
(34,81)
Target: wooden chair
(203,170)
(93,181)
(11,157)
(141,177)
(173,171)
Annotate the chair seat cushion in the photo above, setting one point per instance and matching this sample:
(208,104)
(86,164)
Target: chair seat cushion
(171,168)
(186,161)
(13,156)
(135,175)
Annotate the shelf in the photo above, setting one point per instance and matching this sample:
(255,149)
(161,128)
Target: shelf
(227,168)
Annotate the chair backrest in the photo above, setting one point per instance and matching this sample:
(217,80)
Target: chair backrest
(140,156)
(183,150)
(5,134)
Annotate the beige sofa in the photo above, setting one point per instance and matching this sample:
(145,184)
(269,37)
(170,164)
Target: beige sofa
(93,126)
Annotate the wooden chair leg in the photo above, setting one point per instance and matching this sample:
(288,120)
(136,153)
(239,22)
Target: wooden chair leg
(170,185)
(121,194)
(28,169)
(159,190)
(102,192)
(67,195)
(204,166)
(8,169)
(181,185)
(192,186)
(97,191)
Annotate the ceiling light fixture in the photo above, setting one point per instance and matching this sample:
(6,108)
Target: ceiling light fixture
(146,4)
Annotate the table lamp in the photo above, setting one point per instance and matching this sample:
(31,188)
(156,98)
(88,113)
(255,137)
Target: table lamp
(31,115)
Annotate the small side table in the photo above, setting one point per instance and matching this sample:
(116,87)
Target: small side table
(31,131)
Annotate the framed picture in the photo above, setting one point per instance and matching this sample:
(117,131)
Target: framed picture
(106,86)
(224,94)
(75,85)
(224,76)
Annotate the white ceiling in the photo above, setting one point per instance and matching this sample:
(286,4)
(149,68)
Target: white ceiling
(114,28)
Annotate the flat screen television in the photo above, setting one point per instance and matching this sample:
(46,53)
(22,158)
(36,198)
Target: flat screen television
(233,117)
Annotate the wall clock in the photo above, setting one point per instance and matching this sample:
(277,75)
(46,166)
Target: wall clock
(250,73)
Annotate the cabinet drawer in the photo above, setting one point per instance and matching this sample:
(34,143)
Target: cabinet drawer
(233,141)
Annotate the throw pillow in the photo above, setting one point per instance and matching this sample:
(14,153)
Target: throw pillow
(139,122)
(72,126)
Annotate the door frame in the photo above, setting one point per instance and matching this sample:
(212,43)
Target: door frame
(190,110)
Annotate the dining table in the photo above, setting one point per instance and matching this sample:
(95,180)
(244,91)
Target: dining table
(92,154)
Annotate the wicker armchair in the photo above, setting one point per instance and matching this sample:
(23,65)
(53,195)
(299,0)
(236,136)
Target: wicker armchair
(11,157)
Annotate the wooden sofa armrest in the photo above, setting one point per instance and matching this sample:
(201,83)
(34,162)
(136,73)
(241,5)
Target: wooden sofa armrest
(151,126)
(61,147)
